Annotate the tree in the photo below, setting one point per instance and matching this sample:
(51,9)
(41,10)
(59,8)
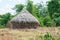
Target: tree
(29,6)
(54,11)
(53,7)
(57,20)
(5,18)
(18,7)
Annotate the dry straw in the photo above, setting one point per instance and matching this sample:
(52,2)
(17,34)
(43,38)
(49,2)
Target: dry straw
(23,20)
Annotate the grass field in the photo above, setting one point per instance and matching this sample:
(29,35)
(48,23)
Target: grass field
(26,34)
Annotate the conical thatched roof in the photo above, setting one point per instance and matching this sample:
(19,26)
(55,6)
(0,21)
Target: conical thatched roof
(24,16)
(23,20)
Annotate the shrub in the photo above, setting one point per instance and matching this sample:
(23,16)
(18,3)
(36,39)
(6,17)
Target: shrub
(48,36)
(47,21)
(41,19)
(57,20)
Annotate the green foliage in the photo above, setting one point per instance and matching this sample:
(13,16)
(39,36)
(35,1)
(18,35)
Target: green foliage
(48,36)
(34,10)
(54,11)
(38,7)
(5,18)
(47,15)
(57,20)
(47,21)
(53,7)
(41,19)
(18,7)
(56,15)
(41,37)
(29,6)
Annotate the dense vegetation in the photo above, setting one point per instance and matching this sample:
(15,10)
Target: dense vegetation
(47,15)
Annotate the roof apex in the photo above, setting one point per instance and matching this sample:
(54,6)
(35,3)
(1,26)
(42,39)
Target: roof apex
(24,11)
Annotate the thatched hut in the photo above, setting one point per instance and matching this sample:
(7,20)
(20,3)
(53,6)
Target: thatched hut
(23,20)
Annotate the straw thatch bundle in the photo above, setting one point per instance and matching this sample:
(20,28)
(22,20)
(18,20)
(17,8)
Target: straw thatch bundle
(23,20)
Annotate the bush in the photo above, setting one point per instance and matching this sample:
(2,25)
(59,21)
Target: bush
(48,36)
(41,19)
(57,20)
(47,21)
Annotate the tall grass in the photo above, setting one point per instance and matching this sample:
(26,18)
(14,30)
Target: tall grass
(49,36)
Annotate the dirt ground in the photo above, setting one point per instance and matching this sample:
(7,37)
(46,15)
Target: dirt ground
(26,34)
